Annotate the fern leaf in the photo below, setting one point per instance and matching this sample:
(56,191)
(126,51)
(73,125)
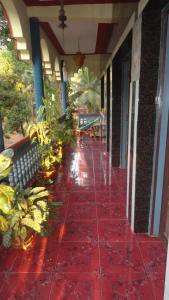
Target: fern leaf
(14,219)
(7,238)
(23,233)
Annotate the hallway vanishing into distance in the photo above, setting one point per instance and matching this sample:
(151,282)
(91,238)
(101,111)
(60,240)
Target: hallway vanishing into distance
(92,253)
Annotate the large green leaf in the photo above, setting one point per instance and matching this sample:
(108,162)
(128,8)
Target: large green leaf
(39,195)
(5,163)
(3,224)
(9,153)
(31,224)
(37,190)
(37,215)
(42,204)
(6,198)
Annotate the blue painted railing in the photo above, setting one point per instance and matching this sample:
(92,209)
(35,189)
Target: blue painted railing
(26,162)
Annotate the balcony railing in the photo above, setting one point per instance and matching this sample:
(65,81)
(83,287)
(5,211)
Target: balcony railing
(25,162)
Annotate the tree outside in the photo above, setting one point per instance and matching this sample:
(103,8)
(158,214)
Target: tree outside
(85,90)
(16,87)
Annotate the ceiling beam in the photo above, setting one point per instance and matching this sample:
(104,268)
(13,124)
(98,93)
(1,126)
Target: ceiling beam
(100,13)
(71,2)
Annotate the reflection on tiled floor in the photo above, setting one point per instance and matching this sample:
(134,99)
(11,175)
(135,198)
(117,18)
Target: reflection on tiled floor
(92,253)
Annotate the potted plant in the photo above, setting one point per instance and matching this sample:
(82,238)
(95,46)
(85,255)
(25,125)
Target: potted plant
(23,212)
(39,133)
(53,134)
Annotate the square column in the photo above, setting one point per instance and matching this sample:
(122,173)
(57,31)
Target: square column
(1,135)
(63,90)
(37,61)
(149,65)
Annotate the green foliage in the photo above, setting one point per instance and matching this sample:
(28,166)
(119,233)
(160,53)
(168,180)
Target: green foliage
(21,210)
(6,192)
(23,233)
(6,199)
(5,41)
(35,225)
(6,238)
(51,90)
(40,133)
(30,211)
(85,90)
(5,165)
(16,92)
(42,194)
(3,224)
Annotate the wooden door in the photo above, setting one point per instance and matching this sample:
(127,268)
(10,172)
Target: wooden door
(164,227)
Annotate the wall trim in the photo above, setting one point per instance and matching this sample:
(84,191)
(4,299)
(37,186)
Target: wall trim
(128,157)
(122,38)
(134,156)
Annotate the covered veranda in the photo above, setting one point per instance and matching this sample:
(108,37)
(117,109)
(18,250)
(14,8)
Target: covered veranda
(102,247)
(92,253)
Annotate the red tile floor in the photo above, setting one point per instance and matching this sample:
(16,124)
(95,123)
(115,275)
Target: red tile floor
(92,253)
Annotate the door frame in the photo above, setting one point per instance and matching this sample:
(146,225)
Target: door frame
(108,106)
(165,207)
(111,109)
(162,113)
(134,98)
(125,86)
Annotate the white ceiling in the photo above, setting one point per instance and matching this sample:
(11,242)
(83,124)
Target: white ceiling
(85,32)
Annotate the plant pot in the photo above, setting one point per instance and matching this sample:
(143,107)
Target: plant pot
(24,245)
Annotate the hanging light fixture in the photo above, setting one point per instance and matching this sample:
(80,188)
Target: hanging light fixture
(79,57)
(62,16)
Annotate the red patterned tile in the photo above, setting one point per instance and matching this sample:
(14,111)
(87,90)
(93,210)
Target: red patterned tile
(41,258)
(78,257)
(114,230)
(3,277)
(120,257)
(127,286)
(78,231)
(7,259)
(146,238)
(81,198)
(154,256)
(105,187)
(110,211)
(75,286)
(59,197)
(24,286)
(82,211)
(109,197)
(61,212)
(158,284)
(72,249)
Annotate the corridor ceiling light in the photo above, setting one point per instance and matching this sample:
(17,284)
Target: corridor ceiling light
(79,57)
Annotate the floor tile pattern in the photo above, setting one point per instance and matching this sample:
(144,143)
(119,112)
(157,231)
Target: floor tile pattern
(92,253)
